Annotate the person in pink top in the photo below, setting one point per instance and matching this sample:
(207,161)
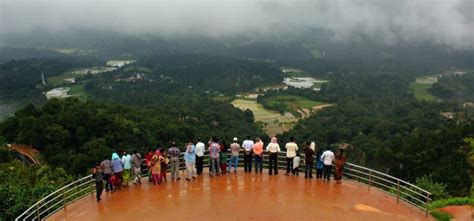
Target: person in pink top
(258,152)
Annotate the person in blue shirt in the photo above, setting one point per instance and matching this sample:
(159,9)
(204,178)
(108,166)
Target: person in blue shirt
(190,159)
(319,164)
(117,169)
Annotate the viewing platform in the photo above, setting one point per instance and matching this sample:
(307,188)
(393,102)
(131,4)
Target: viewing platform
(243,196)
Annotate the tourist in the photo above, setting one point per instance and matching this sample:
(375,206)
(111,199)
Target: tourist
(296,164)
(200,149)
(273,149)
(291,149)
(247,145)
(117,169)
(127,167)
(258,151)
(106,167)
(341,159)
(327,158)
(148,156)
(174,153)
(164,165)
(136,167)
(98,176)
(319,164)
(234,155)
(308,159)
(190,160)
(156,167)
(214,150)
(223,157)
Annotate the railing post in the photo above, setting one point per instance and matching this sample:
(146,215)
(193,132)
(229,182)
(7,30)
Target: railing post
(370,179)
(398,190)
(38,212)
(64,199)
(428,201)
(92,181)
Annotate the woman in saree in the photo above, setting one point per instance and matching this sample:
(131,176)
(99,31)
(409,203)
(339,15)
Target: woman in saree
(341,159)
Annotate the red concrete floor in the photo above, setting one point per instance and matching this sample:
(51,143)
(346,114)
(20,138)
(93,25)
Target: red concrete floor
(243,196)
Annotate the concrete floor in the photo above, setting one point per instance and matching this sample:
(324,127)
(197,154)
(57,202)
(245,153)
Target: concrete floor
(241,196)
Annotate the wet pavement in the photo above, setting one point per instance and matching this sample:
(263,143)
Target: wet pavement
(243,196)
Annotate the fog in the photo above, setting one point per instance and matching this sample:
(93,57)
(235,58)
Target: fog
(447,22)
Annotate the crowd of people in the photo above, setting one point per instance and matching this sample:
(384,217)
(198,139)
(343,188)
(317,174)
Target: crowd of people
(118,172)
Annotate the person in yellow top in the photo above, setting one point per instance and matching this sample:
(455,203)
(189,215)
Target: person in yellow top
(258,152)
(291,149)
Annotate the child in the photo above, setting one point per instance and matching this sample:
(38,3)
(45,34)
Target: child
(296,164)
(99,177)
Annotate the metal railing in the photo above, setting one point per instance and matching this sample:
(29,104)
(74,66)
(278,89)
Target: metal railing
(59,199)
(400,189)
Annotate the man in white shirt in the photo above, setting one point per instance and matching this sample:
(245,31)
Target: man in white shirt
(248,145)
(327,158)
(199,150)
(291,148)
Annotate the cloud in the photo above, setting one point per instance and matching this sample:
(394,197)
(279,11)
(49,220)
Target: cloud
(449,22)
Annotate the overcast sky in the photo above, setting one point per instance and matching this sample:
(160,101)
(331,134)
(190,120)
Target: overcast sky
(448,22)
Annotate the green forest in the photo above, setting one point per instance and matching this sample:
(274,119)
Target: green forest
(170,95)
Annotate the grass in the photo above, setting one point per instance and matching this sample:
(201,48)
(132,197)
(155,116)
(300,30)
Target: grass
(222,98)
(59,80)
(421,92)
(294,103)
(78,91)
(273,122)
(132,68)
(443,216)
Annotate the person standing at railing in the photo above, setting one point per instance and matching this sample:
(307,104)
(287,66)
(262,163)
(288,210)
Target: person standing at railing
(190,159)
(136,167)
(214,150)
(234,155)
(319,164)
(273,148)
(341,159)
(248,145)
(200,149)
(223,157)
(174,153)
(127,167)
(117,168)
(156,167)
(148,156)
(296,164)
(328,158)
(309,159)
(106,167)
(258,152)
(291,149)
(164,165)
(98,176)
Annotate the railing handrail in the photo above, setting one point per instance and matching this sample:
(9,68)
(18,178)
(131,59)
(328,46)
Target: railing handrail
(372,174)
(386,175)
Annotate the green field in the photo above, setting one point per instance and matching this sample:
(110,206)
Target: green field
(78,91)
(293,103)
(421,92)
(273,122)
(59,80)
(137,69)
(222,98)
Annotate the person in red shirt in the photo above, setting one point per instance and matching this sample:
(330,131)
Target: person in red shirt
(148,156)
